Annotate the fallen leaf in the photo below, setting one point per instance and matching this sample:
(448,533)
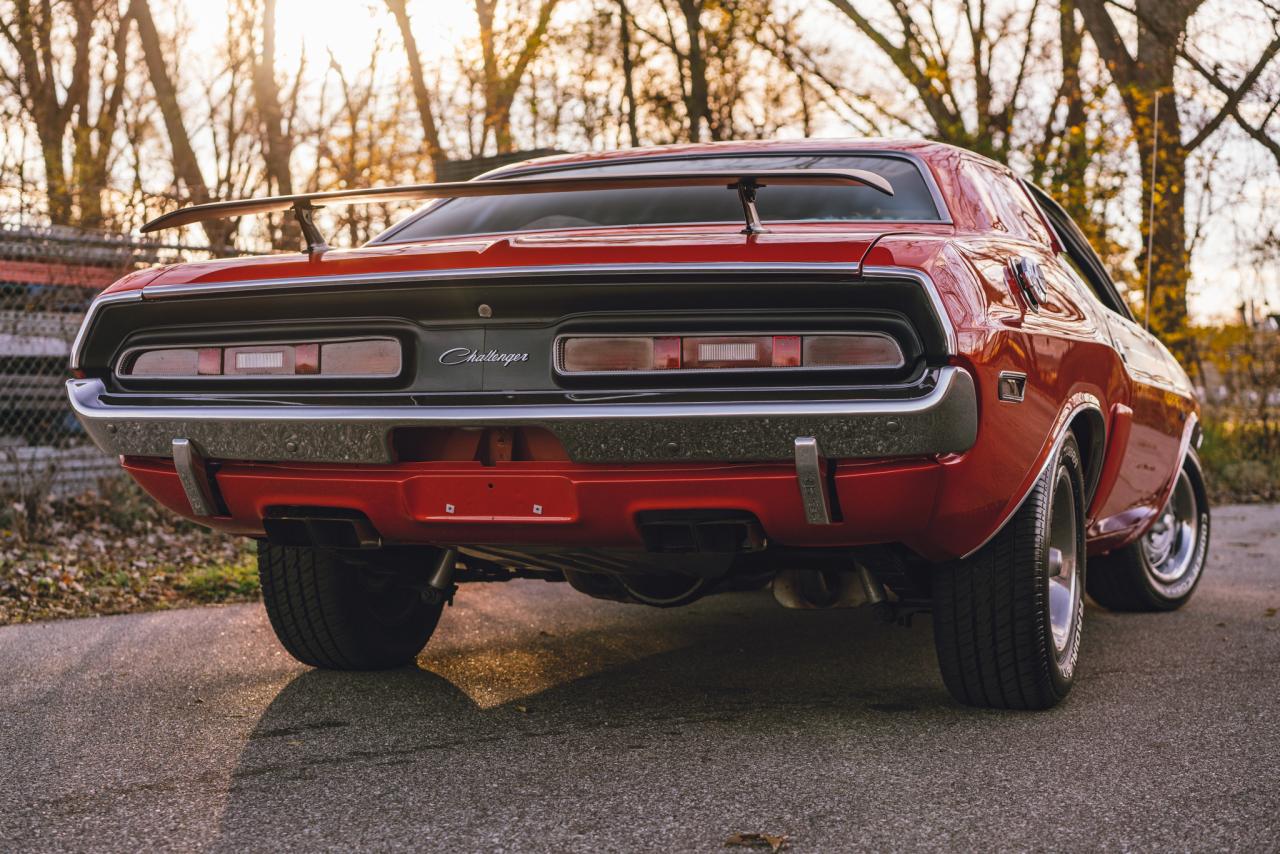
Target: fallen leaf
(524,710)
(774,842)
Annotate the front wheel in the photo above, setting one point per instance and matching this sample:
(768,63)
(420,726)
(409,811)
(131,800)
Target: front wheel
(1007,619)
(333,613)
(1160,571)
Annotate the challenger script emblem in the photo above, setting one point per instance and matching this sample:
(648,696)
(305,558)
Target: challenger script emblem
(463,355)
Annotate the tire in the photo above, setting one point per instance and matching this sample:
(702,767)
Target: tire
(1008,619)
(330,613)
(1161,570)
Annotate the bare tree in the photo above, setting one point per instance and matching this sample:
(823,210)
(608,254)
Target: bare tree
(1145,80)
(186,168)
(685,42)
(421,94)
(75,140)
(628,72)
(505,57)
(926,54)
(277,142)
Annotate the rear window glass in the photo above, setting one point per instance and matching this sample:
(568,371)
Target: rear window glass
(911,200)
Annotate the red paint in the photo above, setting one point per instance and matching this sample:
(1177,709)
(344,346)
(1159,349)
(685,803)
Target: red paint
(1121,422)
(581,505)
(941,508)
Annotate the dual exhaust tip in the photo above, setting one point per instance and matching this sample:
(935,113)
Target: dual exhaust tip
(816,589)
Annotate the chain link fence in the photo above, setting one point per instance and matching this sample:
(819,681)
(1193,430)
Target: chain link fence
(48,277)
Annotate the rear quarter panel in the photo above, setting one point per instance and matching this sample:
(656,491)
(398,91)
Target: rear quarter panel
(1064,350)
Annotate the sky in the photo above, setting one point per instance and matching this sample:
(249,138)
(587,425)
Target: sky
(346,27)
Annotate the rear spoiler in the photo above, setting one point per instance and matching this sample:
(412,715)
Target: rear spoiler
(744,182)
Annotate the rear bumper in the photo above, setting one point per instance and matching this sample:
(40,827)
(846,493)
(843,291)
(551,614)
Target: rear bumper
(568,505)
(942,419)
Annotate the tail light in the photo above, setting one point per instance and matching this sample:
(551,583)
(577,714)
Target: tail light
(365,359)
(642,354)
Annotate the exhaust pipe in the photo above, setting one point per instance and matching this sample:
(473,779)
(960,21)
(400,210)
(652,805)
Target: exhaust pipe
(820,589)
(440,586)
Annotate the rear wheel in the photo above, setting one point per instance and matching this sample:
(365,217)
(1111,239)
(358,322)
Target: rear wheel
(1160,571)
(1007,619)
(330,612)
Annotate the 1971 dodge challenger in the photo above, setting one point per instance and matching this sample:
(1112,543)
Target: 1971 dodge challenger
(863,372)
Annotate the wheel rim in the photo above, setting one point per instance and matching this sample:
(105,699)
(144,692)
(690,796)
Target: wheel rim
(1063,570)
(1171,543)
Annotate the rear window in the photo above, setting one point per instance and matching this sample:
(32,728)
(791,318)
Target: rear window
(911,201)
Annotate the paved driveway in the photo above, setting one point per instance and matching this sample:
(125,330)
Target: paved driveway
(540,720)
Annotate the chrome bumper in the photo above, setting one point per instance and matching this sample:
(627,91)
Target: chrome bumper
(944,420)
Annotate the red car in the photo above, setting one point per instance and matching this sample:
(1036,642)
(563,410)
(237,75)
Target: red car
(871,371)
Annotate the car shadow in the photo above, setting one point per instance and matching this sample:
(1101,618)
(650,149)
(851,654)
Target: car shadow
(606,676)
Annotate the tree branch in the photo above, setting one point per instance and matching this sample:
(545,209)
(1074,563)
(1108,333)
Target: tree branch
(1234,96)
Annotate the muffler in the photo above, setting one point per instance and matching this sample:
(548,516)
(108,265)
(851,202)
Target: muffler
(818,589)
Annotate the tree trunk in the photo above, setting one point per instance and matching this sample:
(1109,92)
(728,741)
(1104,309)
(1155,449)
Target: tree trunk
(499,121)
(30,33)
(1159,142)
(57,190)
(500,87)
(1166,231)
(698,103)
(277,147)
(1142,78)
(421,95)
(490,81)
(1073,151)
(186,169)
(628,72)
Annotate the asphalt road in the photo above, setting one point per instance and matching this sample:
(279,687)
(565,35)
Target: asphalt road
(540,720)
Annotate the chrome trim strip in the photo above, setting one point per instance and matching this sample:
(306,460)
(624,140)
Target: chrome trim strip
(471,273)
(1077,403)
(944,420)
(84,394)
(77,344)
(930,289)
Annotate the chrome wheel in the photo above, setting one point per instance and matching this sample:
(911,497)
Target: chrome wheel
(1170,545)
(1063,558)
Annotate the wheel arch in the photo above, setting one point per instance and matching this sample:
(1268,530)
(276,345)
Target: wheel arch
(1081,415)
(1090,429)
